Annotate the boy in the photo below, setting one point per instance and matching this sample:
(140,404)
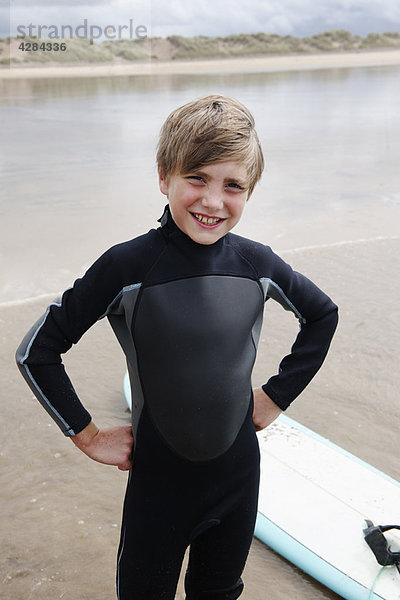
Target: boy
(186,303)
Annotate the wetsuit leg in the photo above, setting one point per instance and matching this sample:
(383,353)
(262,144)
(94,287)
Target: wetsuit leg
(217,556)
(153,542)
(163,504)
(149,561)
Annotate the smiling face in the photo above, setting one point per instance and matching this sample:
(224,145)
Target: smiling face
(207,202)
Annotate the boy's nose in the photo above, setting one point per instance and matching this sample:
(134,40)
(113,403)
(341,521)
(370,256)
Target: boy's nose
(212,200)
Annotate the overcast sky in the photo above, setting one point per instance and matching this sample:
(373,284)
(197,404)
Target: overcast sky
(209,17)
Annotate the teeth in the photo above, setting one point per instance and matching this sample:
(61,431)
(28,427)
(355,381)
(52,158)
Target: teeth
(206,220)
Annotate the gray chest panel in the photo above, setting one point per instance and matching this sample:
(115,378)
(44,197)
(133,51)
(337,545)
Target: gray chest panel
(196,345)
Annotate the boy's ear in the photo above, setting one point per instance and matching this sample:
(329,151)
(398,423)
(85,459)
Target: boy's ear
(162,182)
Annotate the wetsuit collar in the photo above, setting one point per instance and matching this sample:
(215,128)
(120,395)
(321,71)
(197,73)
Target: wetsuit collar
(166,217)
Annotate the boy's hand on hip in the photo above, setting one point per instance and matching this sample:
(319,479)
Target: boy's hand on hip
(107,446)
(265,410)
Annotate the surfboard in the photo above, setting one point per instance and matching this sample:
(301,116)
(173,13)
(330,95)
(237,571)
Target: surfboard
(314,500)
(127,390)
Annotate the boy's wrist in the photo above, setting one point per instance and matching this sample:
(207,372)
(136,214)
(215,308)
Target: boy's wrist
(265,409)
(85,437)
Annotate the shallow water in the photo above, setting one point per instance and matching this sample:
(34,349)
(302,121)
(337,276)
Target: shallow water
(78,169)
(78,175)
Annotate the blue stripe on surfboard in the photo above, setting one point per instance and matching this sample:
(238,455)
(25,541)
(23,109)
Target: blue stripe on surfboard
(316,436)
(309,562)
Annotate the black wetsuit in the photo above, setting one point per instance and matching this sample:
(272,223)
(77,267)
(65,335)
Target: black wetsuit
(188,317)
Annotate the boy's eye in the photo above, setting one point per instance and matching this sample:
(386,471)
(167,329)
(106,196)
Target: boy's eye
(235,186)
(195,177)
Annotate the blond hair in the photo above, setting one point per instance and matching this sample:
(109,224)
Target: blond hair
(208,130)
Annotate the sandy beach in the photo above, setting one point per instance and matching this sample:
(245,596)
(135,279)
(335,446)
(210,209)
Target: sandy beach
(329,203)
(254,64)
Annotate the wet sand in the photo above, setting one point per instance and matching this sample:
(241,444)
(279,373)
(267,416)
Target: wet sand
(253,64)
(61,511)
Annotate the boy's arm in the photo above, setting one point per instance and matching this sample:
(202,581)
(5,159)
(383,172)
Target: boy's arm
(39,360)
(318,318)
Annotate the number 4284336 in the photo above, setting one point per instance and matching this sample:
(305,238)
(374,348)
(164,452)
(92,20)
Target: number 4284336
(44,46)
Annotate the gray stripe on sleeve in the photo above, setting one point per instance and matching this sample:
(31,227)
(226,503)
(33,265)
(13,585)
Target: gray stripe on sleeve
(26,344)
(22,355)
(45,402)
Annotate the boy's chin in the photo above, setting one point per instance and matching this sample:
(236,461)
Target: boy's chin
(206,238)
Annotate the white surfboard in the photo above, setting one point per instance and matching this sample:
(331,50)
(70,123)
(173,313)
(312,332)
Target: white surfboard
(127,390)
(314,500)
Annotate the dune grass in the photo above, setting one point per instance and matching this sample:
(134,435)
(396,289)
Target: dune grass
(186,48)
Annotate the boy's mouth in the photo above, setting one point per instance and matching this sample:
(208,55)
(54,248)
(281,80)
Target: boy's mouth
(206,221)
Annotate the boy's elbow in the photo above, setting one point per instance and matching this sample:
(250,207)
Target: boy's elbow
(333,316)
(25,348)
(327,320)
(20,355)
(335,311)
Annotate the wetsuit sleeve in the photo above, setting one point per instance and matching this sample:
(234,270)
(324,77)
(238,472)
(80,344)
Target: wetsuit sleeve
(318,317)
(65,321)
